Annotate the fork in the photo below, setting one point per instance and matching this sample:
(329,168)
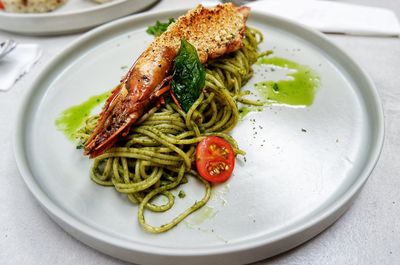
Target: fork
(6,47)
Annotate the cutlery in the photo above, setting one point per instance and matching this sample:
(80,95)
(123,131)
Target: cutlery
(6,47)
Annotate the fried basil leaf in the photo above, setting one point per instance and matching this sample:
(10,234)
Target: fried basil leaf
(188,78)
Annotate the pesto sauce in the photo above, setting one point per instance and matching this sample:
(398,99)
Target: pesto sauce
(71,119)
(299,91)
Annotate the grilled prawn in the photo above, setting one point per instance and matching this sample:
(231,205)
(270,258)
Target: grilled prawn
(212,31)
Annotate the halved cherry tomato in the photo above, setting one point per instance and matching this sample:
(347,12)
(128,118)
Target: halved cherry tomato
(215,159)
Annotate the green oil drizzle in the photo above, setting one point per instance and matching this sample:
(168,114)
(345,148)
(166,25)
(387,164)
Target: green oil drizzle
(71,119)
(243,111)
(203,214)
(299,91)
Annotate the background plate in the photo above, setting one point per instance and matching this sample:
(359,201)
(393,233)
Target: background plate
(293,185)
(74,16)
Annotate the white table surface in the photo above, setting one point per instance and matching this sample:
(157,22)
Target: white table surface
(368,233)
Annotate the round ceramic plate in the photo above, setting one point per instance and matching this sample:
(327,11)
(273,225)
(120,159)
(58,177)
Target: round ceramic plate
(302,169)
(74,16)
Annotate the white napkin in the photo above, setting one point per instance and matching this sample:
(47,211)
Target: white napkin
(334,17)
(17,63)
(331,17)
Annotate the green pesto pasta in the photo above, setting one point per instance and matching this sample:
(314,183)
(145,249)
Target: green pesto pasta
(157,154)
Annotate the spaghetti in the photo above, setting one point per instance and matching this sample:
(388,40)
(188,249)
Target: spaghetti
(157,154)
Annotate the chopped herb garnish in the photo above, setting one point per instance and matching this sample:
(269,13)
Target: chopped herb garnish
(181,194)
(159,27)
(275,87)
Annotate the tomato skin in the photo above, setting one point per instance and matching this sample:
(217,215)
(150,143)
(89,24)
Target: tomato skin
(1,5)
(215,159)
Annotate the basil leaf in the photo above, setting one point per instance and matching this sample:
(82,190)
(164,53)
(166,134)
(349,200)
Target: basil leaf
(188,78)
(159,27)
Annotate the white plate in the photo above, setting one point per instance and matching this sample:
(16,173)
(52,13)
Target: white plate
(74,16)
(293,185)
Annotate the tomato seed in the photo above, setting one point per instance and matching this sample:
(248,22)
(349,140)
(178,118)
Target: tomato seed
(216,168)
(219,150)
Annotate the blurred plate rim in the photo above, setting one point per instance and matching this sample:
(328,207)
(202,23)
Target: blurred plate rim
(72,21)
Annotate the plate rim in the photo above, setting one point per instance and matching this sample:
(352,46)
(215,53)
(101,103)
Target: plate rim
(119,5)
(91,236)
(56,14)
